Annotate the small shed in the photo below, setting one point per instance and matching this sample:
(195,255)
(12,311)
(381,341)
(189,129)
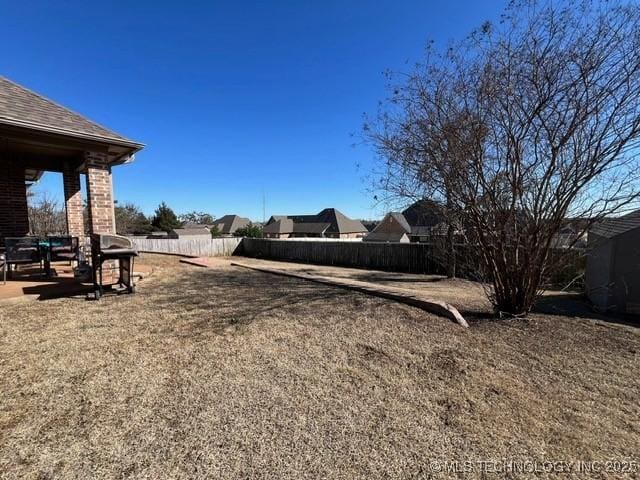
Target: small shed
(613,264)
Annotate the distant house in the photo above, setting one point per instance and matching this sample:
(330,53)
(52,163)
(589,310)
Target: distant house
(393,228)
(230,223)
(418,223)
(370,224)
(329,223)
(613,264)
(197,225)
(190,233)
(427,218)
(573,234)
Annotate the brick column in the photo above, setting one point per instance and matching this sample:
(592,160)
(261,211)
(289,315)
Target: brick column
(99,194)
(73,203)
(14,214)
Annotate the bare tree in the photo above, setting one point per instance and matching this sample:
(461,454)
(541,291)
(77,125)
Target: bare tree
(130,220)
(46,216)
(195,217)
(518,127)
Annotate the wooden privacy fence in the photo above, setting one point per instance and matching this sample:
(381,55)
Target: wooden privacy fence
(206,247)
(400,257)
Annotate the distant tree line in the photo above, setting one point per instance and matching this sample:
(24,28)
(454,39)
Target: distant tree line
(130,220)
(47,217)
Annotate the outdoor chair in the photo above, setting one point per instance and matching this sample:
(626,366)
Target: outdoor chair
(63,248)
(3,264)
(22,251)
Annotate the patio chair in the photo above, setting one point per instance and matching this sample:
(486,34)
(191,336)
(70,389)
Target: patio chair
(22,251)
(63,248)
(3,264)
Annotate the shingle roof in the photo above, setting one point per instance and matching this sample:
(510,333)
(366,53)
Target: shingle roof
(286,225)
(612,227)
(196,225)
(22,107)
(424,213)
(337,223)
(310,228)
(228,224)
(191,231)
(278,224)
(393,222)
(398,217)
(293,218)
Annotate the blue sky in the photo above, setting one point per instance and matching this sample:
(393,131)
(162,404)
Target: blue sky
(231,98)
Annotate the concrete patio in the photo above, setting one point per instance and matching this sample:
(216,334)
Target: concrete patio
(29,284)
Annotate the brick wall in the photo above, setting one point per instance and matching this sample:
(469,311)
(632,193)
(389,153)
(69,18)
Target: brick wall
(14,215)
(73,203)
(99,194)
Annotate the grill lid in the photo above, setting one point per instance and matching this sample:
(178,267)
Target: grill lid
(110,241)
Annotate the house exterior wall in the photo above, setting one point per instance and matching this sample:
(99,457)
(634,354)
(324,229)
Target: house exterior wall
(73,203)
(99,194)
(613,272)
(420,239)
(343,235)
(404,239)
(305,235)
(277,235)
(386,238)
(626,272)
(14,213)
(598,272)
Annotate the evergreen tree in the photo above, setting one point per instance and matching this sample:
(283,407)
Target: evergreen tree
(251,231)
(165,219)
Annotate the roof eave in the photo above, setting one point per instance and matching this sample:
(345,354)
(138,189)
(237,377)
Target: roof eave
(134,146)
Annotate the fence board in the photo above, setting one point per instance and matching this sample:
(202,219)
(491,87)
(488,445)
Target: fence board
(206,247)
(401,257)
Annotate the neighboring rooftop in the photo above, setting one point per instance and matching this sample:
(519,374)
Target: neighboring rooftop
(188,232)
(340,223)
(228,224)
(196,225)
(392,228)
(288,226)
(329,220)
(424,213)
(612,227)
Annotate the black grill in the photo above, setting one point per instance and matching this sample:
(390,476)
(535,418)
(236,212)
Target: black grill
(106,247)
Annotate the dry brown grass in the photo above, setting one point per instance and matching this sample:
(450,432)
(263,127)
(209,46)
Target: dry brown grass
(228,373)
(469,297)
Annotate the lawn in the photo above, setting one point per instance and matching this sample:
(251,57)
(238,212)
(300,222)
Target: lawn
(232,373)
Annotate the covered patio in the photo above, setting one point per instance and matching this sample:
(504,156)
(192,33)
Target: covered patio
(37,135)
